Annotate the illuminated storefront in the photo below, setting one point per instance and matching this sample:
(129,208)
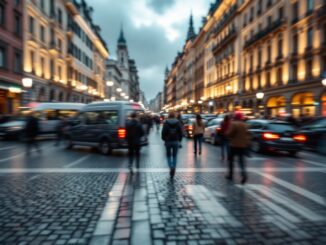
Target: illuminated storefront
(303,104)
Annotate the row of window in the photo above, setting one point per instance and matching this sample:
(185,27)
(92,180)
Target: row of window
(43,66)
(16,66)
(80,55)
(77,76)
(80,33)
(249,17)
(17,23)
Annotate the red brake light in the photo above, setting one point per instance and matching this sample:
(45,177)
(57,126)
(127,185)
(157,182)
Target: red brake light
(270,136)
(190,127)
(218,130)
(122,133)
(300,138)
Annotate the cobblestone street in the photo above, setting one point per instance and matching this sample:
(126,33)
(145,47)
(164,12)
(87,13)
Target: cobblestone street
(83,197)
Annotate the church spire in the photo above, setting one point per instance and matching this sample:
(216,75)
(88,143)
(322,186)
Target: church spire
(167,71)
(121,39)
(191,31)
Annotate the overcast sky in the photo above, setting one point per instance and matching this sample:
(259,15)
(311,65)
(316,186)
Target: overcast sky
(154,29)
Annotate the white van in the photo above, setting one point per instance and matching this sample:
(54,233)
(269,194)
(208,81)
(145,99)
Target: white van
(48,113)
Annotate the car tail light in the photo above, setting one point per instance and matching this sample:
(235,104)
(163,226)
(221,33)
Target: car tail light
(122,133)
(190,127)
(300,138)
(218,130)
(270,136)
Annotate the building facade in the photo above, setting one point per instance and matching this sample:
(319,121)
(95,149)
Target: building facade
(64,53)
(257,47)
(11,55)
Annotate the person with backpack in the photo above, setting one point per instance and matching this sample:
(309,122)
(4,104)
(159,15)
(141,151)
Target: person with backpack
(198,131)
(134,132)
(172,135)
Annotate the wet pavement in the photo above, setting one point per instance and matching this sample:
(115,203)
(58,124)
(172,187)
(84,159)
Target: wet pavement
(82,197)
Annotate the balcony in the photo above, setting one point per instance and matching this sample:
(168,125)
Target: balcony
(263,33)
(226,18)
(322,11)
(227,39)
(53,48)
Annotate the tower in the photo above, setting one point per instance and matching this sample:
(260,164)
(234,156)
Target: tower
(191,31)
(122,52)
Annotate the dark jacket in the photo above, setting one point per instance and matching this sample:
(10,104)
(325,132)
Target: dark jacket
(172,130)
(134,131)
(32,127)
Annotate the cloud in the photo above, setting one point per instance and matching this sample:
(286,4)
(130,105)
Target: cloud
(155,31)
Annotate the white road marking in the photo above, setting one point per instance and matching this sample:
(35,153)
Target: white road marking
(271,205)
(150,170)
(105,225)
(21,154)
(308,194)
(315,163)
(276,196)
(210,207)
(7,148)
(74,163)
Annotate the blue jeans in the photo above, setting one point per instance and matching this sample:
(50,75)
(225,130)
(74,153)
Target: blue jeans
(225,148)
(172,148)
(198,138)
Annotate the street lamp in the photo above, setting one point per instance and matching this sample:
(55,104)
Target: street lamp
(324,82)
(28,84)
(109,83)
(259,96)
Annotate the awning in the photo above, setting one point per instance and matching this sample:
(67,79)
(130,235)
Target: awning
(14,88)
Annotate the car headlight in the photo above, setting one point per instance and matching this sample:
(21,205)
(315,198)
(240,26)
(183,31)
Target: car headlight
(16,128)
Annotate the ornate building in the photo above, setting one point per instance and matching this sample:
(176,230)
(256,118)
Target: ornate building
(11,55)
(253,48)
(64,53)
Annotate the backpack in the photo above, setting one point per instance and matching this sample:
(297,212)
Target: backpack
(172,132)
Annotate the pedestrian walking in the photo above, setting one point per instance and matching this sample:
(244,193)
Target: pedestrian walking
(157,123)
(179,117)
(134,132)
(31,133)
(198,132)
(239,142)
(60,130)
(172,135)
(225,125)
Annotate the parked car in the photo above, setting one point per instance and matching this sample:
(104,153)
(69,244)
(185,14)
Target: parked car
(212,131)
(208,117)
(48,113)
(185,117)
(188,127)
(268,135)
(103,125)
(315,133)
